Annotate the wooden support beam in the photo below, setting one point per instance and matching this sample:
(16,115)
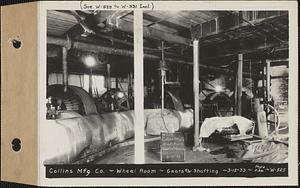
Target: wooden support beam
(196,91)
(139,129)
(91,82)
(94,24)
(103,16)
(254,22)
(65,68)
(113,18)
(108,80)
(239,86)
(154,33)
(164,22)
(87,30)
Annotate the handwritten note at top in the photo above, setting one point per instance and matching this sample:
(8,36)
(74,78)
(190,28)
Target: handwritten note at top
(110,5)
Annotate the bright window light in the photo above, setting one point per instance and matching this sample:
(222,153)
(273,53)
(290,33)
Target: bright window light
(218,88)
(120,95)
(90,61)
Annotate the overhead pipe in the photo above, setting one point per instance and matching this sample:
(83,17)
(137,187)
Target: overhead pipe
(129,53)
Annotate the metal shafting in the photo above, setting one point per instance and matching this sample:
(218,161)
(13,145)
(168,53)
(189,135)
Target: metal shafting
(65,68)
(196,90)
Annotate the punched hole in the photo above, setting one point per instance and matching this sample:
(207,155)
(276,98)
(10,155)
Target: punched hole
(16,144)
(16,43)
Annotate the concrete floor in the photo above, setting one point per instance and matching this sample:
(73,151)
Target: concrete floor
(125,155)
(122,155)
(152,154)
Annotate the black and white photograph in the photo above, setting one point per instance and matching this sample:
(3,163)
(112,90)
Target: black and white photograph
(149,93)
(215,86)
(138,90)
(223,98)
(89,87)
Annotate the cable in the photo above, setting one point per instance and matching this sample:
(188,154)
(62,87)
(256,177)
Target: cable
(278,120)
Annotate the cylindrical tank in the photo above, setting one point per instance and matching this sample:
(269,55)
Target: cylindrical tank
(64,139)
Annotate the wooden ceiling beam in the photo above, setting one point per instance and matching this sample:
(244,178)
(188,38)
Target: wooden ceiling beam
(163,22)
(93,21)
(154,33)
(249,24)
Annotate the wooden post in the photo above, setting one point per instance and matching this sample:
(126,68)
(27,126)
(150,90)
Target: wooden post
(108,80)
(239,86)
(65,68)
(117,82)
(138,88)
(128,85)
(196,90)
(91,82)
(264,84)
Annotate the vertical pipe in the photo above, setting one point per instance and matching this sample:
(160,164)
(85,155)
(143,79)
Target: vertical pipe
(65,68)
(117,82)
(138,88)
(177,72)
(196,90)
(163,74)
(217,25)
(254,15)
(91,82)
(263,79)
(162,91)
(235,94)
(108,80)
(239,84)
(128,84)
(260,118)
(264,84)
(268,84)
